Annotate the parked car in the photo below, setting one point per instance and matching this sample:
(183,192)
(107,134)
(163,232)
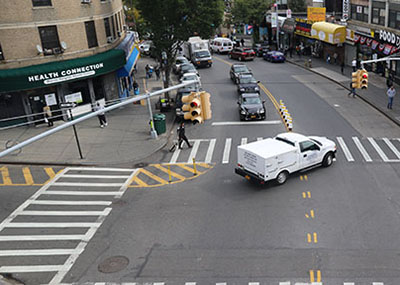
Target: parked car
(251,107)
(189,77)
(187,68)
(247,84)
(178,62)
(242,53)
(221,45)
(144,47)
(236,70)
(274,56)
(261,48)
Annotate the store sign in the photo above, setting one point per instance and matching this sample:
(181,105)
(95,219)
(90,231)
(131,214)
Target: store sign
(66,75)
(346,9)
(303,27)
(316,14)
(50,99)
(389,37)
(74,98)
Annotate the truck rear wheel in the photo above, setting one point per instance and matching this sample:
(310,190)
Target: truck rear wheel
(282,177)
(328,160)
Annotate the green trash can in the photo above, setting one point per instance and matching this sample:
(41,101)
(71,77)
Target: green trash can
(159,123)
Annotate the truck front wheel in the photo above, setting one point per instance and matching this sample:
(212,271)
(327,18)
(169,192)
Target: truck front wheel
(282,177)
(328,160)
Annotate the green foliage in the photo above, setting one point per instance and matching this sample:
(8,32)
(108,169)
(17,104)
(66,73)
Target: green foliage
(297,5)
(250,11)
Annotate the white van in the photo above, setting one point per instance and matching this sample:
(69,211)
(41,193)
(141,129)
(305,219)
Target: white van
(221,45)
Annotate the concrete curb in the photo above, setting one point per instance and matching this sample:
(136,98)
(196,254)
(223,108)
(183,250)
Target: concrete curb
(8,281)
(361,97)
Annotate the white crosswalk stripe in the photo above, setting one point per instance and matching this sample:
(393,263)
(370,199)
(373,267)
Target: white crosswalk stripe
(220,151)
(219,283)
(25,220)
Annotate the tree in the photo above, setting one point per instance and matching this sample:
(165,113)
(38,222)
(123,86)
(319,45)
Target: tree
(297,5)
(171,22)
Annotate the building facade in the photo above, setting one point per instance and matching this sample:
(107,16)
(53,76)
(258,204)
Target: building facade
(57,51)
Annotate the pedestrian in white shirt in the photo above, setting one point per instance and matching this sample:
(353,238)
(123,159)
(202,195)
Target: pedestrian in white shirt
(101,116)
(354,64)
(391,93)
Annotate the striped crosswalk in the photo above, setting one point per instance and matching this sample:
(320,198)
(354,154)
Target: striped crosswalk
(229,283)
(352,149)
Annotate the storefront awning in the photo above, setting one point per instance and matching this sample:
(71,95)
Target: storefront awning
(58,72)
(131,49)
(328,32)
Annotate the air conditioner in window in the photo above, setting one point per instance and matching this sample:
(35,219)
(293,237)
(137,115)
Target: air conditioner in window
(86,1)
(57,50)
(110,40)
(47,51)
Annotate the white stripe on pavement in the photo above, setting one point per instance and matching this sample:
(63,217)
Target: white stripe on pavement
(362,149)
(95,176)
(392,147)
(41,237)
(66,213)
(175,155)
(195,148)
(190,283)
(210,151)
(243,141)
(72,203)
(284,283)
(254,283)
(348,283)
(378,149)
(53,225)
(227,150)
(38,252)
(102,169)
(377,283)
(30,268)
(80,184)
(81,193)
(246,123)
(345,149)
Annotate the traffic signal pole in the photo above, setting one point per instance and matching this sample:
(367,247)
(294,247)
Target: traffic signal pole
(377,60)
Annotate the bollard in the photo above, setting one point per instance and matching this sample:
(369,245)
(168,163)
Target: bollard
(169,173)
(194,167)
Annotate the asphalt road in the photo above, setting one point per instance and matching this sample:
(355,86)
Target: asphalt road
(331,225)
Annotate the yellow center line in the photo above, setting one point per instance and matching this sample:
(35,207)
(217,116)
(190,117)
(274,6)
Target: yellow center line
(309,238)
(176,175)
(304,195)
(309,194)
(315,238)
(6,175)
(312,213)
(27,175)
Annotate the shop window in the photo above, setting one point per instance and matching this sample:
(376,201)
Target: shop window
(1,54)
(41,3)
(394,19)
(83,88)
(50,40)
(91,34)
(98,88)
(107,27)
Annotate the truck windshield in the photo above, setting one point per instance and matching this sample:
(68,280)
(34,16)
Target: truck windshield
(201,54)
(284,140)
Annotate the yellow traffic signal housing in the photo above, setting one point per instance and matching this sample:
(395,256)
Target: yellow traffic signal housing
(206,113)
(192,108)
(356,79)
(363,79)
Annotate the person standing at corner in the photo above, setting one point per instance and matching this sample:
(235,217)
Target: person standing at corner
(354,64)
(48,116)
(342,67)
(391,93)
(181,136)
(242,42)
(101,116)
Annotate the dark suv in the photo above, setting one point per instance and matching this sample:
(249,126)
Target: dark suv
(247,84)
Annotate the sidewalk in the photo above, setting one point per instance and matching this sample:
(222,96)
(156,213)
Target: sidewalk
(126,139)
(375,95)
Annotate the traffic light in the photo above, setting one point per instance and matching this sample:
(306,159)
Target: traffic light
(364,79)
(206,113)
(192,108)
(356,79)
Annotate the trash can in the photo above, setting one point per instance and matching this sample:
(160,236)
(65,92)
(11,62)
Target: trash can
(159,123)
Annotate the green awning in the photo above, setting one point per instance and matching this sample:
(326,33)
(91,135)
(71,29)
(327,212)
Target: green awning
(52,73)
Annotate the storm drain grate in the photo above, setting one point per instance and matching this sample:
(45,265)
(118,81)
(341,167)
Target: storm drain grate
(113,264)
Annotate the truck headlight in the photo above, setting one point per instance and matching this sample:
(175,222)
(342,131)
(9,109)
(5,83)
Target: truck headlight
(256,88)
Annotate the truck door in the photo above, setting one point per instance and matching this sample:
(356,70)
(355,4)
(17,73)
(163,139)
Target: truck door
(309,153)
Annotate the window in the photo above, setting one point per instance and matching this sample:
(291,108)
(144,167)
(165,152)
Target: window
(107,27)
(1,54)
(375,15)
(308,145)
(394,19)
(41,3)
(91,34)
(118,18)
(113,26)
(49,39)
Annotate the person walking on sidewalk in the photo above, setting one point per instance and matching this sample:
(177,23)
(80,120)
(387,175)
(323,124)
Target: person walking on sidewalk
(181,136)
(354,64)
(352,90)
(157,71)
(242,42)
(342,67)
(391,93)
(335,55)
(48,115)
(101,116)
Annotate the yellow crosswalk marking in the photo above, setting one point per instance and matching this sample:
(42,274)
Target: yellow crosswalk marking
(6,175)
(154,177)
(27,175)
(181,165)
(50,172)
(163,169)
(138,181)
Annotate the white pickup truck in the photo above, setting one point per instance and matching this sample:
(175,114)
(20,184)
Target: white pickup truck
(275,158)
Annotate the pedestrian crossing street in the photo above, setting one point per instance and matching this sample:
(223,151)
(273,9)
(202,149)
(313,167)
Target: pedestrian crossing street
(351,149)
(48,232)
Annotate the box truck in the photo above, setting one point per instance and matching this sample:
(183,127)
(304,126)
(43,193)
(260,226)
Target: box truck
(197,51)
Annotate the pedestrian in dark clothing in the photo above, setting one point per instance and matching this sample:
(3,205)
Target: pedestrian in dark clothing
(157,71)
(353,90)
(342,67)
(389,81)
(291,52)
(182,137)
(391,93)
(242,42)
(135,86)
(101,116)
(335,55)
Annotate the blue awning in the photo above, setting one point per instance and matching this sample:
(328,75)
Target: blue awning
(132,55)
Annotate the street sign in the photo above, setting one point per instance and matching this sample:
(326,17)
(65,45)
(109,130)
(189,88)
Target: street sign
(67,105)
(346,5)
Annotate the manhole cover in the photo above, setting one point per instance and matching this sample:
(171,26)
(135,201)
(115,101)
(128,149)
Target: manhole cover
(140,165)
(113,264)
